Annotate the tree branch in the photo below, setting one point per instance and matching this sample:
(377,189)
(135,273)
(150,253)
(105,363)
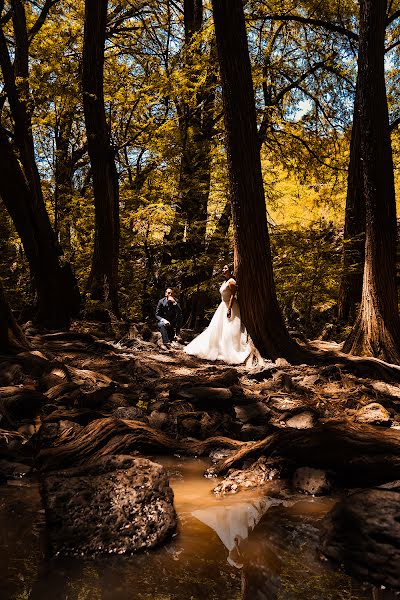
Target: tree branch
(317,22)
(36,27)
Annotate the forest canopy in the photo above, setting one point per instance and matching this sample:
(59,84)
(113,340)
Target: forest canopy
(151,125)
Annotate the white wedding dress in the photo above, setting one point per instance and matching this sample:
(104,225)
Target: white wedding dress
(224,339)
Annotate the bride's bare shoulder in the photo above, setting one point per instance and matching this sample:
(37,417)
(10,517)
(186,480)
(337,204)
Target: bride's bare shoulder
(231,282)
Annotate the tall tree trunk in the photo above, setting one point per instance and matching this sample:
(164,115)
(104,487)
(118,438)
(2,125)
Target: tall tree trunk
(57,293)
(253,264)
(103,279)
(377,328)
(354,228)
(58,297)
(63,188)
(12,337)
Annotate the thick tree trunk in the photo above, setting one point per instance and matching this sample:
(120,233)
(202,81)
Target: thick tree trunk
(12,337)
(377,328)
(253,263)
(58,297)
(103,279)
(354,228)
(57,293)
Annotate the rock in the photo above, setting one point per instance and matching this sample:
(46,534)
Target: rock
(249,433)
(115,505)
(285,404)
(304,420)
(162,422)
(362,532)
(282,362)
(311,481)
(252,413)
(130,412)
(258,473)
(190,427)
(373,414)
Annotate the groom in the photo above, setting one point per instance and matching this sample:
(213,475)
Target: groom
(169,317)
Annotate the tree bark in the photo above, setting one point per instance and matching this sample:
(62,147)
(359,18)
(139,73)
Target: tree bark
(354,228)
(253,264)
(377,328)
(57,293)
(103,279)
(12,338)
(58,296)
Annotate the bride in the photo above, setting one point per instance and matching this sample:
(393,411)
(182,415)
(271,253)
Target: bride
(225,338)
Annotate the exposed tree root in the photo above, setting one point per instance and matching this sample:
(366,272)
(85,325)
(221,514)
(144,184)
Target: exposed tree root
(118,436)
(359,452)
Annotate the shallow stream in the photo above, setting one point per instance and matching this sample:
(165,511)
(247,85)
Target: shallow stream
(246,546)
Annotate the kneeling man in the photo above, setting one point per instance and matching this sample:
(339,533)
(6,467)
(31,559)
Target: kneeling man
(169,317)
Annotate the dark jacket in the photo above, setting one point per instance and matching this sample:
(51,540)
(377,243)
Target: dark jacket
(169,311)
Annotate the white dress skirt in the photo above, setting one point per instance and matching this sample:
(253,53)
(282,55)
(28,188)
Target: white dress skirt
(224,339)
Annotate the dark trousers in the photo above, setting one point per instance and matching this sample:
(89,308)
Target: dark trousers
(167,332)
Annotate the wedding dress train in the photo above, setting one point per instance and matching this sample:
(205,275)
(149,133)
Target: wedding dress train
(224,339)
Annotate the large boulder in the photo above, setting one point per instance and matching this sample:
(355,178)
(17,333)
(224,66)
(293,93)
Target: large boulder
(362,532)
(114,505)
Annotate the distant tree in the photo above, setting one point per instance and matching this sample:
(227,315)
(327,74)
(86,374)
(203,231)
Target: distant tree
(103,279)
(377,328)
(253,264)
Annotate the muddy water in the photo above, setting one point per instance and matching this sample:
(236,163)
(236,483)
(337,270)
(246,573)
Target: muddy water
(245,546)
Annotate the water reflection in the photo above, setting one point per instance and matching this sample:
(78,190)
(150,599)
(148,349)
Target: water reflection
(243,547)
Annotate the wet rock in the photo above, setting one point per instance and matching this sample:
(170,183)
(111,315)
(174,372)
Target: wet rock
(373,414)
(311,481)
(249,432)
(258,473)
(115,505)
(252,413)
(304,420)
(362,532)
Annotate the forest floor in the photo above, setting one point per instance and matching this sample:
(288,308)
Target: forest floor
(75,398)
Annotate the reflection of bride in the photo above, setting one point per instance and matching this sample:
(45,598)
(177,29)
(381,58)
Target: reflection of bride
(233,523)
(225,338)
